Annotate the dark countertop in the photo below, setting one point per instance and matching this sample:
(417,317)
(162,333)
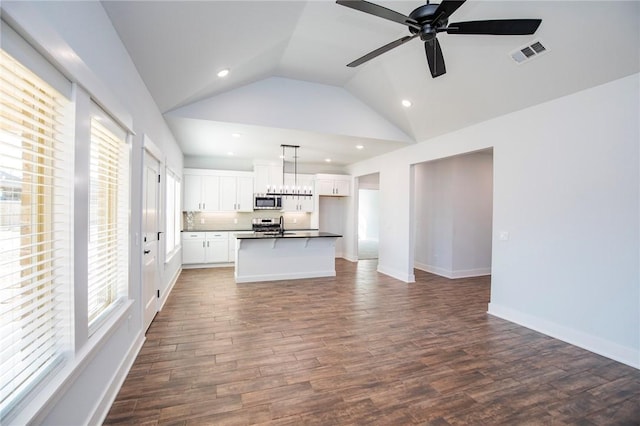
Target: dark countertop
(287,234)
(240,230)
(217,230)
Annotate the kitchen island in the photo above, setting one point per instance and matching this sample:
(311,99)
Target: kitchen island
(284,256)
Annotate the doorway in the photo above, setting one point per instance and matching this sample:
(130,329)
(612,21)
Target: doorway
(368,216)
(150,234)
(453,224)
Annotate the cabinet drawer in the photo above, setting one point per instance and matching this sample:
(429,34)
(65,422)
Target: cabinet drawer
(217,235)
(193,236)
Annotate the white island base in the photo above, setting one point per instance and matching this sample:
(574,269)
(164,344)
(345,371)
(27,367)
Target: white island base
(285,258)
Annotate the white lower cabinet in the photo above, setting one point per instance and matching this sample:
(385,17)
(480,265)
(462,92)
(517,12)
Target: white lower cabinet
(205,247)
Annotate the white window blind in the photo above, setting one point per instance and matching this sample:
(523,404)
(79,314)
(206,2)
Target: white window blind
(108,248)
(36,184)
(173,213)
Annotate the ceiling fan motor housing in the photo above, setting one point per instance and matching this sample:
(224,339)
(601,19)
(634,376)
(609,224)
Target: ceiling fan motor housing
(423,15)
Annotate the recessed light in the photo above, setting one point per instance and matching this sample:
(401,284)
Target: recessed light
(223,72)
(359,146)
(328,160)
(406,103)
(229,153)
(236,135)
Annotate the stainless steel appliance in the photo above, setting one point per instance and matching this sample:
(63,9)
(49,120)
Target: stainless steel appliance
(266,225)
(267,202)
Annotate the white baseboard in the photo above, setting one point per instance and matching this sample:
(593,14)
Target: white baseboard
(287,276)
(167,292)
(207,265)
(104,405)
(397,274)
(606,348)
(448,273)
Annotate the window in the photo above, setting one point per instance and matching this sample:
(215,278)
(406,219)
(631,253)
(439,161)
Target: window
(173,214)
(108,248)
(35,230)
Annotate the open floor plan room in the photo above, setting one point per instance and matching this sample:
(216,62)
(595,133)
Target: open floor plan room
(360,348)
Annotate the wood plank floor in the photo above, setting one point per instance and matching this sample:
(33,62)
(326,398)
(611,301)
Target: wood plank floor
(361,348)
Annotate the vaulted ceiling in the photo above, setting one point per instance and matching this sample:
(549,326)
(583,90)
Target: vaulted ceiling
(288,82)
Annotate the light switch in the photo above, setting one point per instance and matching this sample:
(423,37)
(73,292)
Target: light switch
(503,236)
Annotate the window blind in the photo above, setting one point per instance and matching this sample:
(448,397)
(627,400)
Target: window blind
(35,230)
(108,247)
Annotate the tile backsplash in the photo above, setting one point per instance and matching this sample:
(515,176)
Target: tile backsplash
(230,221)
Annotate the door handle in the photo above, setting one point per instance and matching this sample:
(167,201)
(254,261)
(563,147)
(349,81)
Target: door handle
(147,251)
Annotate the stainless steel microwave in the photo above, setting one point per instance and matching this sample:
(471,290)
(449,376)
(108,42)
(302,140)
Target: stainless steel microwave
(267,202)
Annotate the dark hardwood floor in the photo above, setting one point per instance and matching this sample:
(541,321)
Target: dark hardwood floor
(361,348)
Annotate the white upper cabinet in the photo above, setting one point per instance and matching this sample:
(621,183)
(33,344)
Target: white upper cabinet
(303,184)
(201,192)
(266,175)
(217,190)
(236,193)
(333,185)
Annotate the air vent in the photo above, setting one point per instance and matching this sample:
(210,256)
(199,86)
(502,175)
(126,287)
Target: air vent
(526,53)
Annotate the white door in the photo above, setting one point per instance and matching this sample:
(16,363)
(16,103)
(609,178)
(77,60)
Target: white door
(150,227)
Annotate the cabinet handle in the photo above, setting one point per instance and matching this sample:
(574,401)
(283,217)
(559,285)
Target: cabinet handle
(207,243)
(203,244)
(203,206)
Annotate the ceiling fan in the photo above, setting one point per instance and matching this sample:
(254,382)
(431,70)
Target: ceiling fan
(428,20)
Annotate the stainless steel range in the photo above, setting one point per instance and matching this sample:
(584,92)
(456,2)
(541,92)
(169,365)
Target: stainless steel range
(266,225)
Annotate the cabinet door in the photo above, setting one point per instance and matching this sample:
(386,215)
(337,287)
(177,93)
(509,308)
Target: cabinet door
(306,204)
(324,187)
(289,203)
(341,187)
(192,193)
(210,193)
(228,189)
(193,248)
(244,195)
(217,247)
(232,248)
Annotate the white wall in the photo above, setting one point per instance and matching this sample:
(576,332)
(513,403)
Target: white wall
(453,202)
(566,188)
(79,37)
(368,217)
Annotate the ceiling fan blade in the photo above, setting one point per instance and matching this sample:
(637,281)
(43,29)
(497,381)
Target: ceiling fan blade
(495,27)
(379,11)
(446,8)
(379,51)
(434,57)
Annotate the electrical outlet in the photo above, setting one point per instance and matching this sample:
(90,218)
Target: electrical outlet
(503,236)
(202,221)
(235,220)
(295,220)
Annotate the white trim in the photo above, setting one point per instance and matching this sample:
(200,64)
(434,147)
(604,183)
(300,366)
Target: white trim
(102,407)
(28,21)
(289,276)
(606,348)
(152,149)
(208,265)
(37,409)
(397,274)
(447,273)
(172,283)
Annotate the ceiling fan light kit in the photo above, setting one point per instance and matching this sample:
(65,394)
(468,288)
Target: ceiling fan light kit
(430,19)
